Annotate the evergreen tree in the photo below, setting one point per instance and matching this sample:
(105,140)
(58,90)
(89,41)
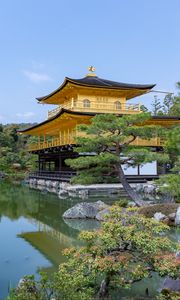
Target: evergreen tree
(108,138)
(143,108)
(168,102)
(156,107)
(170,183)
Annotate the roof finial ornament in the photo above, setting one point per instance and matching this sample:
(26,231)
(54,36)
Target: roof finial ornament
(91,70)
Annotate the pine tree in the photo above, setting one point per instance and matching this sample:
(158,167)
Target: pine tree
(156,106)
(108,141)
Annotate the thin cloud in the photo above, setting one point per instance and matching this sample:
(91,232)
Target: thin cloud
(25,115)
(37,77)
(1,117)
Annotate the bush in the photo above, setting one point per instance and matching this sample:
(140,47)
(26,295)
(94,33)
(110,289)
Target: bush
(122,202)
(165,209)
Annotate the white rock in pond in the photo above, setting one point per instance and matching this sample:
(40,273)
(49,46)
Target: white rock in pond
(177,218)
(158,216)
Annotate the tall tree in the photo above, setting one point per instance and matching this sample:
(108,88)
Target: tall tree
(170,183)
(156,106)
(108,139)
(168,102)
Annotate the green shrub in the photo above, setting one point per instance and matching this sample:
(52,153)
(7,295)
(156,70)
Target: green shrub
(165,209)
(122,202)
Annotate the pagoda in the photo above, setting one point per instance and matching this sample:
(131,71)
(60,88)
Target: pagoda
(77,101)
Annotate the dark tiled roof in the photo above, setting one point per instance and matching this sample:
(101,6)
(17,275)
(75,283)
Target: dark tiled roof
(100,82)
(96,82)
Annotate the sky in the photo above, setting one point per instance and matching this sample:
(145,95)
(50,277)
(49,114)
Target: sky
(43,41)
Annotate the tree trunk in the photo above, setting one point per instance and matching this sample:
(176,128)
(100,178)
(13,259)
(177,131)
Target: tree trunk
(103,291)
(131,193)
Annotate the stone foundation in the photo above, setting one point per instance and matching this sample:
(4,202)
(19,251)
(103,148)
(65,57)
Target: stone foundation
(149,191)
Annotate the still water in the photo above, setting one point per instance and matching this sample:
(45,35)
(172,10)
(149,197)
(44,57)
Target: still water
(33,234)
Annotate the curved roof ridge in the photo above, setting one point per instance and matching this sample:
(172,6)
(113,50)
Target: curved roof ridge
(96,82)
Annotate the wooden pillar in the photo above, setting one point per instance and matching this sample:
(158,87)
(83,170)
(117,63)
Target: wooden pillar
(39,164)
(72,103)
(138,169)
(60,163)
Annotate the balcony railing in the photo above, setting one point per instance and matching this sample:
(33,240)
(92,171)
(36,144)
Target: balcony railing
(69,138)
(97,108)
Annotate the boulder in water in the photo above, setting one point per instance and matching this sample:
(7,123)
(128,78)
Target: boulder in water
(85,210)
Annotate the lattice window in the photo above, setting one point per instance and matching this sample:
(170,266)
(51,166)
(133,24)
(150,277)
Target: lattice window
(117,105)
(86,103)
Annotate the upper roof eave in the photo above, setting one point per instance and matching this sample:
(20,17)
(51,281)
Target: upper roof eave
(96,82)
(63,110)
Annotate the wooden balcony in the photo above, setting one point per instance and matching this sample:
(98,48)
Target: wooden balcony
(97,108)
(68,138)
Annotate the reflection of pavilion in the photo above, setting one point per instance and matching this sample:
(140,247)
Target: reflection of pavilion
(48,241)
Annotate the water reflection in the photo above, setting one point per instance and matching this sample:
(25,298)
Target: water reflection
(32,231)
(33,234)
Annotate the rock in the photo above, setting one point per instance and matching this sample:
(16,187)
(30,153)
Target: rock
(131,204)
(83,194)
(84,210)
(2,175)
(149,189)
(139,187)
(177,218)
(171,284)
(55,184)
(158,216)
(41,182)
(172,217)
(101,215)
(63,194)
(16,166)
(178,254)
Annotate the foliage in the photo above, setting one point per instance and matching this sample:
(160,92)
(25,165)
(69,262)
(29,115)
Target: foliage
(156,106)
(14,157)
(122,202)
(30,289)
(128,248)
(169,106)
(108,140)
(166,209)
(170,183)
(166,294)
(143,108)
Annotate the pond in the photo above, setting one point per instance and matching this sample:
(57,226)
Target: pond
(33,234)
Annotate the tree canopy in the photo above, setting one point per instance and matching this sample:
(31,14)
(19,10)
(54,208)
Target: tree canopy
(106,146)
(13,149)
(127,248)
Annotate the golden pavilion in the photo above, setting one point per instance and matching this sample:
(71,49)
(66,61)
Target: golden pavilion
(77,101)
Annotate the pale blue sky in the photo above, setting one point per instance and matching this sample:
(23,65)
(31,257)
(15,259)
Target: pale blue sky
(42,41)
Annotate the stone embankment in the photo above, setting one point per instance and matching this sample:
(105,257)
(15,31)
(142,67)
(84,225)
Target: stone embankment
(66,190)
(149,191)
(98,210)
